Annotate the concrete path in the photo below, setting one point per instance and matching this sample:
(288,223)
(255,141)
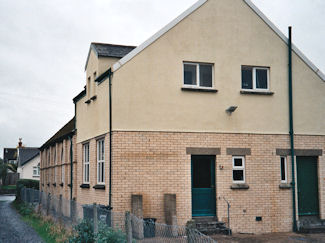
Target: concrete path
(12,228)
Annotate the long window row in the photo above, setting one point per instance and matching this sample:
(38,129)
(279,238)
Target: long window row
(100,156)
(238,169)
(201,75)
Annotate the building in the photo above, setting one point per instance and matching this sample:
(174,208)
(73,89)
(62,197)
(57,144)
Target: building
(58,158)
(10,155)
(201,111)
(28,163)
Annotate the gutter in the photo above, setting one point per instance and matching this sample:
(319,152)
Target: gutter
(71,167)
(291,132)
(110,75)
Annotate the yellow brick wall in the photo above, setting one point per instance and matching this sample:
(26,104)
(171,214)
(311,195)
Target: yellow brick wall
(155,163)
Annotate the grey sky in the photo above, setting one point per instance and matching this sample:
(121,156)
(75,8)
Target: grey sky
(44,45)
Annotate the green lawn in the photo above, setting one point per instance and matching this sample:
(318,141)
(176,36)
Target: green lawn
(47,230)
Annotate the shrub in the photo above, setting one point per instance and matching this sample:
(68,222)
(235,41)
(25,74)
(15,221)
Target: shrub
(28,183)
(107,234)
(83,233)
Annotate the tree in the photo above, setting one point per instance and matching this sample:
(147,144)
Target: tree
(3,172)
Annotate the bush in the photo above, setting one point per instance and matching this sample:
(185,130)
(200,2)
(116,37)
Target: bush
(84,234)
(107,234)
(28,183)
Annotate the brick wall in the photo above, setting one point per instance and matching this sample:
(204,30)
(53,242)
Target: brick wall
(155,163)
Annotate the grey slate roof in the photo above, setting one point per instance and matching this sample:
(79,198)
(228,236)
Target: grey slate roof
(26,154)
(110,50)
(9,154)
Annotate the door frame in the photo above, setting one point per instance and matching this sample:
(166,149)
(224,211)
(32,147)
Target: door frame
(297,188)
(213,179)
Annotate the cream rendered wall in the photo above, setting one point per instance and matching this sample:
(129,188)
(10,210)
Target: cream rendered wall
(26,171)
(147,91)
(92,119)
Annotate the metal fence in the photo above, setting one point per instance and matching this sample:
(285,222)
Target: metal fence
(142,230)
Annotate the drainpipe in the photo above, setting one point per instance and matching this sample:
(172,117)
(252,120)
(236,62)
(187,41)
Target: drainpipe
(71,167)
(291,132)
(110,74)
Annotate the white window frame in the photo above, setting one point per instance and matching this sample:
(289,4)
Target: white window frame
(100,161)
(285,169)
(198,81)
(238,168)
(254,78)
(36,168)
(86,165)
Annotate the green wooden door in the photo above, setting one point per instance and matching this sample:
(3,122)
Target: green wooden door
(203,185)
(307,185)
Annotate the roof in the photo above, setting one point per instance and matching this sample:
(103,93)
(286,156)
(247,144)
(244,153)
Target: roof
(193,8)
(109,50)
(9,154)
(26,155)
(66,131)
(80,95)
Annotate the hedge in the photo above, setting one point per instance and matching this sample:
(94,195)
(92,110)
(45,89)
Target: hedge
(28,183)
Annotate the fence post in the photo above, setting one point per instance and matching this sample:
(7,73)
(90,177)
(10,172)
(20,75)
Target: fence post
(128,228)
(136,219)
(73,210)
(60,209)
(95,214)
(48,204)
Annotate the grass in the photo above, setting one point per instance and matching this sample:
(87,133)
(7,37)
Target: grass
(9,187)
(48,230)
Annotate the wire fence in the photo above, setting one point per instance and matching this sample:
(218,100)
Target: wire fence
(142,230)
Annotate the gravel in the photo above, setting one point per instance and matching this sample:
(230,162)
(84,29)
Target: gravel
(12,228)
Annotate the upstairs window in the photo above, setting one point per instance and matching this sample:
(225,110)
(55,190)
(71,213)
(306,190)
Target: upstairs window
(198,75)
(255,78)
(36,170)
(238,169)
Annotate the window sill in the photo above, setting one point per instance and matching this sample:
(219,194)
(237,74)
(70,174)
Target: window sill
(239,186)
(285,186)
(100,187)
(84,186)
(199,89)
(256,92)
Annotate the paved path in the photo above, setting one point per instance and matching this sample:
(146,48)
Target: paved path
(12,228)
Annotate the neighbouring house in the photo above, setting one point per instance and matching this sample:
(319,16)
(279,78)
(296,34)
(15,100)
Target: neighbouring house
(200,113)
(10,156)
(57,157)
(28,163)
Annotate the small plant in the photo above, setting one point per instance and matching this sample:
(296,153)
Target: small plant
(83,233)
(107,234)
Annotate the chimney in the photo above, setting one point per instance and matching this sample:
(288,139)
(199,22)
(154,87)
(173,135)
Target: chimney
(20,143)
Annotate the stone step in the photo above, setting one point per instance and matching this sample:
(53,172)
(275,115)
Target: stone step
(211,225)
(312,229)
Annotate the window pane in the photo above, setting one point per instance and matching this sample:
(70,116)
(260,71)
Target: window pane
(205,75)
(190,74)
(283,175)
(246,77)
(238,162)
(201,173)
(261,78)
(238,175)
